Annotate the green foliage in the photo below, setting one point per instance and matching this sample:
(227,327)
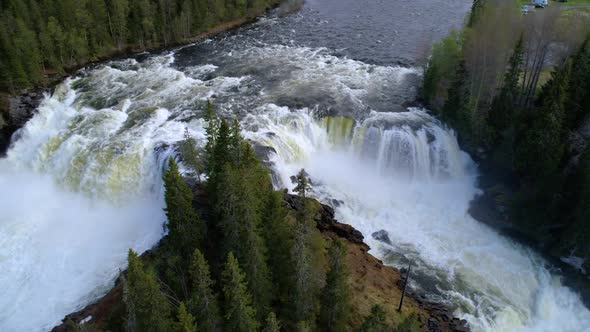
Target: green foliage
(456,110)
(541,149)
(203,302)
(335,299)
(409,324)
(272,323)
(211,136)
(240,316)
(376,321)
(39,35)
(578,103)
(190,154)
(504,105)
(279,236)
(303,186)
(147,307)
(441,70)
(309,275)
(184,224)
(240,221)
(186,322)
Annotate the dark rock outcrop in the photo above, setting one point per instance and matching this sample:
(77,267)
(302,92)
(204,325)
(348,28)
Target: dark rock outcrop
(326,222)
(20,109)
(382,236)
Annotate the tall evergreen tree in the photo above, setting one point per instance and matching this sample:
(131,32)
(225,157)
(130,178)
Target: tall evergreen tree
(335,300)
(578,103)
(239,220)
(186,322)
(240,316)
(184,224)
(376,321)
(147,307)
(279,236)
(541,149)
(203,302)
(272,323)
(501,114)
(211,135)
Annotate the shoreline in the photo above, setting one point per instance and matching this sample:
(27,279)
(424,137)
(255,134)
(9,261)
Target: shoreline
(17,109)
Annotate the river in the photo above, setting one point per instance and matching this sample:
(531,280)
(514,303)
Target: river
(327,88)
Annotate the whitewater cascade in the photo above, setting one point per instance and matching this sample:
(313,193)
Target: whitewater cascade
(82,183)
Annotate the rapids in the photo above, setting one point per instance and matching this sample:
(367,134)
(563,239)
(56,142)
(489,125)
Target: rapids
(81,181)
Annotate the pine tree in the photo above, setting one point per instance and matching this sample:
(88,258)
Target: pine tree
(272,323)
(147,307)
(335,304)
(578,103)
(190,154)
(240,316)
(239,221)
(541,149)
(376,321)
(504,105)
(118,21)
(236,142)
(186,322)
(279,236)
(308,276)
(184,225)
(211,133)
(203,304)
(456,110)
(302,189)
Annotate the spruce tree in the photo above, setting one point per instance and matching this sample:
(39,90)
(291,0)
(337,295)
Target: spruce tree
(211,135)
(376,321)
(504,105)
(184,224)
(190,154)
(240,316)
(272,323)
(236,142)
(335,301)
(578,103)
(186,322)
(147,307)
(456,110)
(239,221)
(203,302)
(278,234)
(541,149)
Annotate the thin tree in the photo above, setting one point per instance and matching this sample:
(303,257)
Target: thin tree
(335,299)
(203,302)
(240,316)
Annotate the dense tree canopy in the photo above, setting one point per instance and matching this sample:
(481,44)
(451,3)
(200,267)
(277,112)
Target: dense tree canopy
(529,127)
(45,36)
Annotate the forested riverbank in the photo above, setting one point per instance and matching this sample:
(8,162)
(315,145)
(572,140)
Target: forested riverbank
(42,41)
(517,91)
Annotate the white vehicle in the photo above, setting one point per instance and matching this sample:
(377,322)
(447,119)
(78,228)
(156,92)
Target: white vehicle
(541,3)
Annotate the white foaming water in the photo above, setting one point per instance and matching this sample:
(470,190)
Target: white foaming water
(82,184)
(403,173)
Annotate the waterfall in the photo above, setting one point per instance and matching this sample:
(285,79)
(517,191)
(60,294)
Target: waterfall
(82,183)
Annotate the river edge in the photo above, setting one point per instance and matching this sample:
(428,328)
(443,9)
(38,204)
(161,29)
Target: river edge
(17,109)
(370,280)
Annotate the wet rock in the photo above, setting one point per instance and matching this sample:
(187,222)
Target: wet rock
(382,236)
(20,110)
(326,222)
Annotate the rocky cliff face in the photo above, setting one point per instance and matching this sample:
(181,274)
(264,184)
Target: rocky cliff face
(19,110)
